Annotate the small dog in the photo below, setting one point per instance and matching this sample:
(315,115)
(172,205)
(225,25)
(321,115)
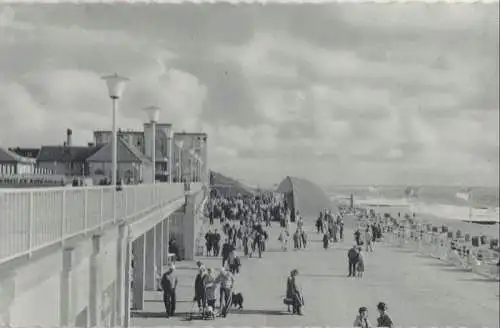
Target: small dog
(237,300)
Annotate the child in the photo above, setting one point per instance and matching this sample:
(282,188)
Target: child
(362,319)
(383,320)
(360,269)
(325,241)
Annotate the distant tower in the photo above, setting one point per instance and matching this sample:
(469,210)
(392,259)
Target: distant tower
(69,134)
(352,201)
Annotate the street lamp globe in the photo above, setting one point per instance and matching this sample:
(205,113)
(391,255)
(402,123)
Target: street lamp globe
(153,113)
(116,85)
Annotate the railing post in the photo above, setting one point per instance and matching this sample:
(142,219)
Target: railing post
(114,205)
(126,192)
(63,216)
(30,223)
(101,203)
(135,201)
(85,209)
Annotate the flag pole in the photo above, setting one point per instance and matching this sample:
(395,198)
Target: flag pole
(469,203)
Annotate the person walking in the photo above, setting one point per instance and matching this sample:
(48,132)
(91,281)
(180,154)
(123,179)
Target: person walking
(361,320)
(199,288)
(369,239)
(169,285)
(293,293)
(383,320)
(226,281)
(234,263)
(326,240)
(352,258)
(360,264)
(210,285)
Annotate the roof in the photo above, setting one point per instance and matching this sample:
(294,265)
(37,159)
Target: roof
(228,186)
(65,153)
(125,153)
(308,198)
(7,156)
(26,152)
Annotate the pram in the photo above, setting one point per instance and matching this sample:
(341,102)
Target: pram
(206,313)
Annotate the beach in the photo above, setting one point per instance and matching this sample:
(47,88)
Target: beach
(434,205)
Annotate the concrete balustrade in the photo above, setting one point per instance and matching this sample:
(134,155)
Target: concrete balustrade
(31,219)
(99,261)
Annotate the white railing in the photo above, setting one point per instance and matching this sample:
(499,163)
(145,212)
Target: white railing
(480,260)
(31,219)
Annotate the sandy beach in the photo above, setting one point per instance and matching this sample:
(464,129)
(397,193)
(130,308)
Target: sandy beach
(474,229)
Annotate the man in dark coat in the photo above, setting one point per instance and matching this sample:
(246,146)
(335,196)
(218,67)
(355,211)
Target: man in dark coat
(169,285)
(226,249)
(216,242)
(199,288)
(209,242)
(352,258)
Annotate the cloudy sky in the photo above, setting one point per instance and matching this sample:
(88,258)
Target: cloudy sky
(337,93)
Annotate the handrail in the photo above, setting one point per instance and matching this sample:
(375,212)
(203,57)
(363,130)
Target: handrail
(35,218)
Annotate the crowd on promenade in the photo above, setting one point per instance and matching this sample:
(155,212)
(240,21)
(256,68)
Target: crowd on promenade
(240,225)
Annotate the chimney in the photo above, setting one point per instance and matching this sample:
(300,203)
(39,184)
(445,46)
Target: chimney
(69,134)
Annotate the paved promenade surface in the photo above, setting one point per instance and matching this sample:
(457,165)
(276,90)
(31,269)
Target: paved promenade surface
(419,291)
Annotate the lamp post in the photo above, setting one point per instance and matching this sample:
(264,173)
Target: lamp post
(202,171)
(195,168)
(200,162)
(170,155)
(116,86)
(180,145)
(153,116)
(191,163)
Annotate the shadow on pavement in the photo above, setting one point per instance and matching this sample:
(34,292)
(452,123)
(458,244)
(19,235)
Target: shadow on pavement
(439,264)
(316,275)
(145,314)
(403,250)
(258,312)
(486,280)
(455,269)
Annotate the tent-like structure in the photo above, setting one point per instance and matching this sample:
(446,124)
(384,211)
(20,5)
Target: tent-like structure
(306,197)
(228,187)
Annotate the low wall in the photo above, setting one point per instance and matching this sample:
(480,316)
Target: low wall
(54,290)
(78,284)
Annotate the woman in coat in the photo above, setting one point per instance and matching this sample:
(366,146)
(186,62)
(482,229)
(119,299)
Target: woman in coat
(293,293)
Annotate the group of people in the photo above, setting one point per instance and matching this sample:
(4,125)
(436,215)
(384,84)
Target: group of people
(207,282)
(244,220)
(383,320)
(243,223)
(266,207)
(331,227)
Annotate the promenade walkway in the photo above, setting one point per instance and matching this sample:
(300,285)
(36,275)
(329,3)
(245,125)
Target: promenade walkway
(419,291)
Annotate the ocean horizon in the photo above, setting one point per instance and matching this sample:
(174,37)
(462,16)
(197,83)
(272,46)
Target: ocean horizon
(446,202)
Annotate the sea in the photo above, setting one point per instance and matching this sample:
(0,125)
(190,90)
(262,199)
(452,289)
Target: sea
(440,205)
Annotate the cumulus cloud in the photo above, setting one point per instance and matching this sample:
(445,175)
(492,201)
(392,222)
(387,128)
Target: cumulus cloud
(406,94)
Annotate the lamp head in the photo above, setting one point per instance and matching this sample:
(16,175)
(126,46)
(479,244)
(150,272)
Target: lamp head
(116,85)
(153,113)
